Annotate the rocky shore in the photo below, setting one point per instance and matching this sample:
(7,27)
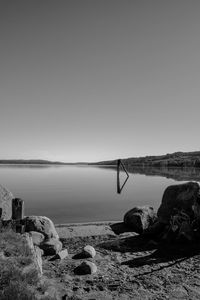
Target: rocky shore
(148,255)
(129,266)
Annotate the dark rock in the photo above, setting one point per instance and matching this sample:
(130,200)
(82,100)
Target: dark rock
(180,197)
(41,224)
(140,218)
(87,267)
(51,246)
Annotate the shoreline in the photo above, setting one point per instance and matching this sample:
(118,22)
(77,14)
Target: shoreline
(98,223)
(88,229)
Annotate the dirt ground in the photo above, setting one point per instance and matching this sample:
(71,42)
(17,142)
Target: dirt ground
(129,266)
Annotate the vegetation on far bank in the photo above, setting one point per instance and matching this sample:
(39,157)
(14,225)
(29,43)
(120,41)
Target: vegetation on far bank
(177,159)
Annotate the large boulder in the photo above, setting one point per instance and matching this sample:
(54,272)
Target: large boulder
(178,198)
(5,203)
(41,224)
(140,218)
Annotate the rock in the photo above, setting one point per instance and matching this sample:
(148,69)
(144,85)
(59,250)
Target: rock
(41,224)
(87,267)
(180,197)
(89,251)
(185,233)
(36,254)
(140,218)
(6,203)
(51,246)
(37,237)
(61,255)
(178,293)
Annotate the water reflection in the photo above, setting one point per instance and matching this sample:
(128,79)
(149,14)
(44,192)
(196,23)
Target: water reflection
(68,194)
(178,174)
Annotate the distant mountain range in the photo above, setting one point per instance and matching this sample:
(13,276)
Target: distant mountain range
(30,162)
(177,159)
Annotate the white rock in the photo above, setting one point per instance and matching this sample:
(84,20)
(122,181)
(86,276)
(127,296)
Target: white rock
(89,251)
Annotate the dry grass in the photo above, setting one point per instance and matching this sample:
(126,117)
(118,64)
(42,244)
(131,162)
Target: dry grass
(16,281)
(14,256)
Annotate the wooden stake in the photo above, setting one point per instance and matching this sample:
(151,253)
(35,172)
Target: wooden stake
(17,209)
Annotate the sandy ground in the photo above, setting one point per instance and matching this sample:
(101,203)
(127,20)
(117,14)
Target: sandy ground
(129,266)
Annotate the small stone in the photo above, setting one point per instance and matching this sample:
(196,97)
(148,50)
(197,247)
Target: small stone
(62,254)
(67,278)
(37,237)
(178,293)
(87,267)
(89,251)
(90,282)
(100,287)
(2,256)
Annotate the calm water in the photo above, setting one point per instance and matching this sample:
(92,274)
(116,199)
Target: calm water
(68,194)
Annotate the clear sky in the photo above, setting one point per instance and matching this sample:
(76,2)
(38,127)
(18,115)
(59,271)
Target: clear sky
(89,80)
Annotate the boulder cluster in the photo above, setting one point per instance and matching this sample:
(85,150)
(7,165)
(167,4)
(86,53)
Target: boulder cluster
(44,235)
(177,218)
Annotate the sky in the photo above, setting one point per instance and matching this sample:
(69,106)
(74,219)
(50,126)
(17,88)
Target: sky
(91,80)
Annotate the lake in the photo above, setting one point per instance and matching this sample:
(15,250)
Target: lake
(71,194)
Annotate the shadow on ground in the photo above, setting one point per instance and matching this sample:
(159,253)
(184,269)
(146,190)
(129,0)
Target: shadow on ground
(158,251)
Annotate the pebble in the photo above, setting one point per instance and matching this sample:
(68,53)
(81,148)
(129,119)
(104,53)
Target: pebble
(62,254)
(87,252)
(90,251)
(87,267)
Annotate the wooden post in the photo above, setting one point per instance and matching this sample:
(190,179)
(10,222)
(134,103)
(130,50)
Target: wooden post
(17,209)
(120,188)
(18,214)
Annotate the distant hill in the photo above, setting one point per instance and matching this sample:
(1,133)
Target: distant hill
(29,162)
(36,162)
(177,159)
